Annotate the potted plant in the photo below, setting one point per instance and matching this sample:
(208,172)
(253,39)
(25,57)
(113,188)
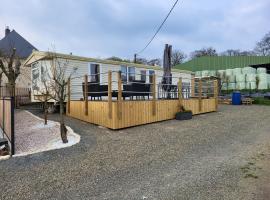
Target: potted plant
(183,114)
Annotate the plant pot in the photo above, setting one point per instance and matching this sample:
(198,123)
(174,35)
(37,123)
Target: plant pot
(183,115)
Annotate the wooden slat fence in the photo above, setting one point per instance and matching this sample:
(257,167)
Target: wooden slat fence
(22,95)
(7,121)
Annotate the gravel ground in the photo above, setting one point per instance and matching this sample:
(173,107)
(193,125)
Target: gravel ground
(203,158)
(33,136)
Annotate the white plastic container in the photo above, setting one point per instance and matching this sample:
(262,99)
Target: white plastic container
(231,86)
(229,72)
(198,74)
(251,77)
(205,73)
(224,86)
(248,70)
(261,70)
(212,73)
(237,71)
(221,73)
(251,85)
(231,78)
(240,78)
(263,82)
(268,80)
(241,85)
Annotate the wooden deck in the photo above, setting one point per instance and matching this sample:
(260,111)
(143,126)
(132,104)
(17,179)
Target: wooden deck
(123,114)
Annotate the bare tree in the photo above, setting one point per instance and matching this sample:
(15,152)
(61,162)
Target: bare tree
(45,92)
(210,51)
(231,52)
(10,65)
(114,58)
(263,47)
(60,78)
(178,57)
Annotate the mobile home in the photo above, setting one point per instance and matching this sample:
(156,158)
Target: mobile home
(97,71)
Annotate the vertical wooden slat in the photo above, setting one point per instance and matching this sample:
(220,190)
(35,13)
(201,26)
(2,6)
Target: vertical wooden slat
(192,86)
(68,102)
(180,97)
(119,104)
(154,95)
(86,94)
(216,93)
(200,95)
(110,94)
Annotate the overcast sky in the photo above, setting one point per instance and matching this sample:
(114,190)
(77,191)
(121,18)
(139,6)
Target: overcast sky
(104,28)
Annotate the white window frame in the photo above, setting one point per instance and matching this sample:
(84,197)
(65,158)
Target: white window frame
(89,70)
(128,73)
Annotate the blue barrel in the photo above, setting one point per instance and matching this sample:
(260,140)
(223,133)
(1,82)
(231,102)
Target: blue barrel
(236,98)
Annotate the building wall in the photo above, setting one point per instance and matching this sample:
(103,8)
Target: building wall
(23,80)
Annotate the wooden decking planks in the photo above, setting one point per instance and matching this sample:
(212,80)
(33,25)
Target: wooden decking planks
(135,112)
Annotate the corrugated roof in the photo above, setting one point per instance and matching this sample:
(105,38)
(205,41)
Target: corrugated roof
(40,55)
(15,40)
(222,62)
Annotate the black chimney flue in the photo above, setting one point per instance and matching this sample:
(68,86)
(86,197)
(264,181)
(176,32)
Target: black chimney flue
(7,31)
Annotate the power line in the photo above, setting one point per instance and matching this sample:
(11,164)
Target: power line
(158,28)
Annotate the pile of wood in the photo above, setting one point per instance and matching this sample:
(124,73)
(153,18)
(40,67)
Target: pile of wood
(247,101)
(227,101)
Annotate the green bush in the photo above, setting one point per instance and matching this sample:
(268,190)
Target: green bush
(261,101)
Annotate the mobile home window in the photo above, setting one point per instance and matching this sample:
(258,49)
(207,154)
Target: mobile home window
(35,76)
(94,73)
(131,74)
(151,73)
(143,75)
(124,73)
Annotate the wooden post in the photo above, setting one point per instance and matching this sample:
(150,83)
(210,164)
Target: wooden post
(192,86)
(119,99)
(200,95)
(110,93)
(180,97)
(86,94)
(68,106)
(216,93)
(154,95)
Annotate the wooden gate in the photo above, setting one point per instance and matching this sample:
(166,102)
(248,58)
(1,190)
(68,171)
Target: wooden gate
(7,121)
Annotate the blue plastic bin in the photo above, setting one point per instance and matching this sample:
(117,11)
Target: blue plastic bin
(236,98)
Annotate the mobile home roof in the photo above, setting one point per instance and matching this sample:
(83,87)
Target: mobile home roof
(41,55)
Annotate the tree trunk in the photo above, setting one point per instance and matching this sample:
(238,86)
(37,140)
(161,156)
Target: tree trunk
(12,89)
(45,112)
(63,129)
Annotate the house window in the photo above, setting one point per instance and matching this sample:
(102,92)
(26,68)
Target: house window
(94,73)
(151,73)
(131,74)
(124,73)
(143,75)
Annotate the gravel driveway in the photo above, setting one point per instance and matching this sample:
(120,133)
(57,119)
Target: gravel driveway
(208,157)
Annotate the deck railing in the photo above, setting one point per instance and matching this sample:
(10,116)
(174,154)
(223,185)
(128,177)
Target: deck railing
(113,87)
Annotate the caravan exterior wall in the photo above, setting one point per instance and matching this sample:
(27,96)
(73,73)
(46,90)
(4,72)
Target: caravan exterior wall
(85,67)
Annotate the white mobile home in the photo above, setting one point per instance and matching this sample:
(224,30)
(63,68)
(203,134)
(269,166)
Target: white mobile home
(96,69)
